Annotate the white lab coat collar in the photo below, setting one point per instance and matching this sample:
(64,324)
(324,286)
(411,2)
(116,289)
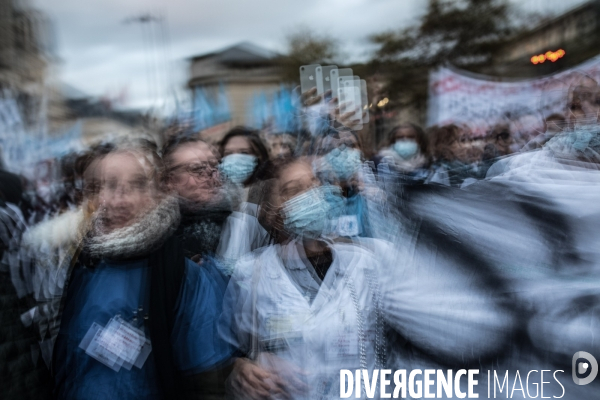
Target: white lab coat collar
(293,254)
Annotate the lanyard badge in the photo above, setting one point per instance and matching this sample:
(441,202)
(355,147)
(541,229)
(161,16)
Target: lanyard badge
(119,344)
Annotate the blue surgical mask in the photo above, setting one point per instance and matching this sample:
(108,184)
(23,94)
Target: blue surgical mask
(581,139)
(333,196)
(406,148)
(344,163)
(307,214)
(237,168)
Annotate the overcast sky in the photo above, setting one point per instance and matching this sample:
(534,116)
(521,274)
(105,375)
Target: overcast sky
(100,54)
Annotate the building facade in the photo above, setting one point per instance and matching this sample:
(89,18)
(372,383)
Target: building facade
(25,46)
(227,80)
(576,33)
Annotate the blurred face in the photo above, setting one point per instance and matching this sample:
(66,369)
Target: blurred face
(475,151)
(339,158)
(405,134)
(458,147)
(295,179)
(341,140)
(279,149)
(127,190)
(238,145)
(193,174)
(502,140)
(584,104)
(529,126)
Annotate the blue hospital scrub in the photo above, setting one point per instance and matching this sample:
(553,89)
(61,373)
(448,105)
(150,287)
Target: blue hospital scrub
(120,288)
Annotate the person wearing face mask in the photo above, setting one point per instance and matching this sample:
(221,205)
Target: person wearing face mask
(283,349)
(339,163)
(138,319)
(301,310)
(406,151)
(244,155)
(244,161)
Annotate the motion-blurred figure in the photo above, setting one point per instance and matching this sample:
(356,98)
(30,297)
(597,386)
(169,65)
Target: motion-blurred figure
(23,374)
(555,123)
(303,309)
(282,145)
(582,103)
(244,155)
(454,157)
(339,163)
(138,316)
(192,174)
(406,151)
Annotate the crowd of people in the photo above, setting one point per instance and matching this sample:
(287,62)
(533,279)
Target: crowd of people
(261,269)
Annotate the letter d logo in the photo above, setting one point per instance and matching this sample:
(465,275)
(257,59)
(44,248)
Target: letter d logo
(583,367)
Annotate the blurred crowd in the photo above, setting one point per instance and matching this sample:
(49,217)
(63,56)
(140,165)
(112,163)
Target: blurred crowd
(262,265)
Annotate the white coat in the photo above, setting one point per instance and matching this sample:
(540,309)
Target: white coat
(268,314)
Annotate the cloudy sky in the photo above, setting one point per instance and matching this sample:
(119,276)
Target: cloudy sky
(100,54)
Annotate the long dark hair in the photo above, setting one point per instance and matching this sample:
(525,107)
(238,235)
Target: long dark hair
(256,143)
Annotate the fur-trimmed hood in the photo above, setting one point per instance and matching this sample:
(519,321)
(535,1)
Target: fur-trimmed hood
(56,233)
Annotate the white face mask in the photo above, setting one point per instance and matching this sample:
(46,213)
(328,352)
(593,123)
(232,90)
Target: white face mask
(406,148)
(238,167)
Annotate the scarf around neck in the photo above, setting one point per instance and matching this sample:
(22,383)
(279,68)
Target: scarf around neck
(138,239)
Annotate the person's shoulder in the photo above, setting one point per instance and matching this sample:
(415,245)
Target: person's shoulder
(373,249)
(206,268)
(257,255)
(387,152)
(351,247)
(203,284)
(247,263)
(372,244)
(512,162)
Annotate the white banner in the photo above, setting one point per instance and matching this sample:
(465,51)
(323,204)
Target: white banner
(477,100)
